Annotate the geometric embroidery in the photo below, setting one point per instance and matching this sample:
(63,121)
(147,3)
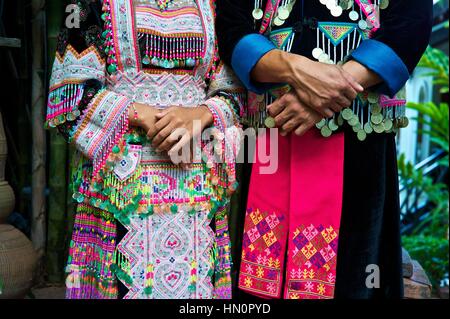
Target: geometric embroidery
(262,253)
(281,37)
(313,255)
(336,31)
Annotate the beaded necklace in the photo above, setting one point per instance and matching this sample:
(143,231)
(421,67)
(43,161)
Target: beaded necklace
(163,5)
(278,11)
(180,50)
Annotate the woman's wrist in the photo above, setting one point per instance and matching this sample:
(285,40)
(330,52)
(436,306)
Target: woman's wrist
(207,117)
(133,115)
(136,114)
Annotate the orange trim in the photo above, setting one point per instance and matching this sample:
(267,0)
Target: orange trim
(79,55)
(170,35)
(90,112)
(170,71)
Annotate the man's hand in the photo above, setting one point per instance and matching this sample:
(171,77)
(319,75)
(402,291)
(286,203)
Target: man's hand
(290,114)
(325,88)
(363,75)
(166,132)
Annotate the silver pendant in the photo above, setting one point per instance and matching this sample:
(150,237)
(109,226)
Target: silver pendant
(258,14)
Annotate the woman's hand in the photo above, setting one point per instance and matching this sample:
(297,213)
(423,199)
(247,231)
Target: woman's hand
(290,114)
(175,127)
(324,87)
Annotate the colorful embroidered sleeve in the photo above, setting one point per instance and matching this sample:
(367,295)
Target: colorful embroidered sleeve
(87,114)
(226,100)
(395,49)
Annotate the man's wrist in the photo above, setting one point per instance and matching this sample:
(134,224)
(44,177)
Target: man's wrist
(293,63)
(361,74)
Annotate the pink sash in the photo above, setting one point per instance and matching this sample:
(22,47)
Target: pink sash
(292,222)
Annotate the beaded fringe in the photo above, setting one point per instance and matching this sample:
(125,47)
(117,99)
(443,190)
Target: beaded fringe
(91,254)
(169,52)
(63,104)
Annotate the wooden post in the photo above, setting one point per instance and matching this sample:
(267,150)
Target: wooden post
(57,158)
(38,225)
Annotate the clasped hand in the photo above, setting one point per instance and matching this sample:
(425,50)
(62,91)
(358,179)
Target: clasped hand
(318,91)
(171,129)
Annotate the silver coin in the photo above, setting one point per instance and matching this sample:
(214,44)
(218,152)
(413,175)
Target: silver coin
(321,124)
(347,114)
(258,14)
(336,11)
(379,128)
(316,53)
(377,119)
(372,97)
(340,120)
(388,125)
(384,4)
(353,15)
(332,125)
(368,128)
(376,108)
(278,22)
(325,131)
(283,13)
(362,135)
(324,58)
(354,121)
(362,24)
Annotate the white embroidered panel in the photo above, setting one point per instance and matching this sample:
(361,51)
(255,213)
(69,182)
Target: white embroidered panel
(74,67)
(161,90)
(169,244)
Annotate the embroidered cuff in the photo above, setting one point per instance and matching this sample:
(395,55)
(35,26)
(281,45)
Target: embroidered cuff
(63,104)
(227,133)
(382,60)
(66,102)
(101,127)
(249,50)
(223,113)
